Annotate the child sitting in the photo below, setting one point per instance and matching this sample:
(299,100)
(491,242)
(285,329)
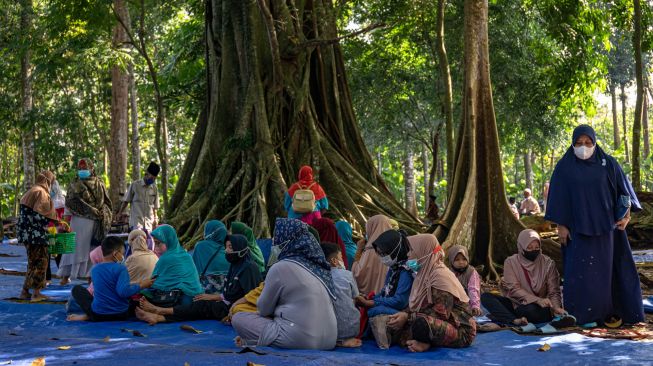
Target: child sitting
(112,289)
(467,275)
(347,315)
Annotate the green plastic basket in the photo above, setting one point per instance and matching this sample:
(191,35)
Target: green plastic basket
(61,243)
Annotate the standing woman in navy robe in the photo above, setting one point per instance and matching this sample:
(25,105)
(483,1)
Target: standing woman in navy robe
(600,278)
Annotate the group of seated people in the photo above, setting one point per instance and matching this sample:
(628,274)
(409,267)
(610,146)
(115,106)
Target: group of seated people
(399,289)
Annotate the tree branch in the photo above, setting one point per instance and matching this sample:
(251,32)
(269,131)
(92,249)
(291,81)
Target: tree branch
(326,42)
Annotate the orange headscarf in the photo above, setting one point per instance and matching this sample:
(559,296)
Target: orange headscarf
(38,197)
(433,273)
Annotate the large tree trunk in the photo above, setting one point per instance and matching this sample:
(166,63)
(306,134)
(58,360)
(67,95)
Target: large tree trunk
(616,141)
(622,96)
(410,198)
(29,160)
(278,99)
(427,176)
(133,108)
(119,112)
(478,216)
(639,79)
(447,93)
(528,169)
(645,128)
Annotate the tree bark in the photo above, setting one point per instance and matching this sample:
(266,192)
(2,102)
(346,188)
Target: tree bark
(410,198)
(639,79)
(447,93)
(161,127)
(645,127)
(278,101)
(528,169)
(119,112)
(616,141)
(478,216)
(624,122)
(29,160)
(133,107)
(427,177)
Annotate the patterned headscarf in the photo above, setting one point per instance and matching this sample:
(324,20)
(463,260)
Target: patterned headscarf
(300,247)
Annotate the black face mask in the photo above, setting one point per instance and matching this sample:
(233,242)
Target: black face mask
(531,255)
(232,257)
(460,270)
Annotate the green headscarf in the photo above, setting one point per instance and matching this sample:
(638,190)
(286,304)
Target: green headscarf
(214,235)
(175,268)
(240,228)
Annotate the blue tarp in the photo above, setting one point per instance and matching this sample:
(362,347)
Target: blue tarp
(28,331)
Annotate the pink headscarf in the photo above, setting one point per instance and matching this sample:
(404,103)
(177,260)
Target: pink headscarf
(369,271)
(96,257)
(433,273)
(515,265)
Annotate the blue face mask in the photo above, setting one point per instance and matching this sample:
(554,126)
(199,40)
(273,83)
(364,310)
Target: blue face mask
(413,265)
(148,181)
(52,194)
(83,174)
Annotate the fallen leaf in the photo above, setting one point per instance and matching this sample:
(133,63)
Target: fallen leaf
(250,363)
(106,339)
(545,347)
(64,348)
(186,364)
(39,361)
(188,328)
(135,333)
(54,339)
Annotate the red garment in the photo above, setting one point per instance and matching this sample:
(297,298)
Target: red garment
(305,181)
(329,234)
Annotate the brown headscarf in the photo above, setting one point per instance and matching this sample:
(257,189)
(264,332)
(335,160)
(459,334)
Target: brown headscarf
(515,265)
(38,197)
(89,198)
(451,256)
(432,273)
(141,262)
(369,271)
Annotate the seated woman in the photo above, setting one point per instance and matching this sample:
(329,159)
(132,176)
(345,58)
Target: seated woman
(255,253)
(393,247)
(209,257)
(438,314)
(306,182)
(176,279)
(530,286)
(369,271)
(329,234)
(140,264)
(295,309)
(243,276)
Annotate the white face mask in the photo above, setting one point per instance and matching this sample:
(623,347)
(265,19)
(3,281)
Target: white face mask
(584,152)
(388,261)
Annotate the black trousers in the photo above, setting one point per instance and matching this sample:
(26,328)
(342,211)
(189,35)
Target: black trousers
(57,259)
(85,299)
(204,309)
(502,311)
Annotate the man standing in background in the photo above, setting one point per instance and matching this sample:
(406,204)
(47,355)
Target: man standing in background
(143,197)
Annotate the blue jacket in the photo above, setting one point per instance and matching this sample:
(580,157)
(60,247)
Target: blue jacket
(396,303)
